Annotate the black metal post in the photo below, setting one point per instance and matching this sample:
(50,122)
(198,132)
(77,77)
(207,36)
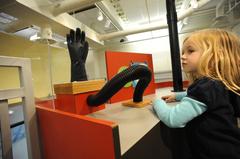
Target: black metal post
(174,46)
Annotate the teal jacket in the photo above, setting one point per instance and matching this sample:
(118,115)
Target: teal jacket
(179,115)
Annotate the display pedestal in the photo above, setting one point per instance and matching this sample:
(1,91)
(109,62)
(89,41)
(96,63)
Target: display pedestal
(137,105)
(72,97)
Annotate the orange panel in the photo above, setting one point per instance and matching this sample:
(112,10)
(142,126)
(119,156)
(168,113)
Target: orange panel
(115,60)
(66,102)
(82,106)
(45,103)
(76,103)
(70,136)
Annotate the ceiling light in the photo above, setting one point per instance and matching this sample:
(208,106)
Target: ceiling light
(194,4)
(100,16)
(107,24)
(34,37)
(44,36)
(27,32)
(6,18)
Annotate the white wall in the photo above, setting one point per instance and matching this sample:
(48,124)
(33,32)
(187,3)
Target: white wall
(236,29)
(159,48)
(95,64)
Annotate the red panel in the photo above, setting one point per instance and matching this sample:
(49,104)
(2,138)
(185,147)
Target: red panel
(70,136)
(66,102)
(76,103)
(45,103)
(115,60)
(82,106)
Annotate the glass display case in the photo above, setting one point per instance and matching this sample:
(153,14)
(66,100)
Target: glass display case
(49,65)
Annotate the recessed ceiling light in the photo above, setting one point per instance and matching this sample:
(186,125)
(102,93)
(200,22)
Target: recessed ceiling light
(6,18)
(100,16)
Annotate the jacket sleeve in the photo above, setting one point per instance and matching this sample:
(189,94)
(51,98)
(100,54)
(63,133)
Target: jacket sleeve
(179,115)
(180,95)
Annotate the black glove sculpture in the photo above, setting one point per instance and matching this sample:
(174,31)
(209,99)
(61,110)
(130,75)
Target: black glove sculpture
(78,51)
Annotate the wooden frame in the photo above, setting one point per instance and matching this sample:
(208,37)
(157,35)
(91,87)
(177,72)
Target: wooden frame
(26,93)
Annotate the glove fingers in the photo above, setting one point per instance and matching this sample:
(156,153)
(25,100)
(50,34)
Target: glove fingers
(68,39)
(78,34)
(83,37)
(85,51)
(72,35)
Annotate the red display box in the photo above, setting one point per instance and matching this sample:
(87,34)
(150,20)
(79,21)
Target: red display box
(72,97)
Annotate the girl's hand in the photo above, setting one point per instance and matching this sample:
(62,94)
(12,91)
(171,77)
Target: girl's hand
(169,98)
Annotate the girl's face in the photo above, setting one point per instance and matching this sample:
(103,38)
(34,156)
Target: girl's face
(191,54)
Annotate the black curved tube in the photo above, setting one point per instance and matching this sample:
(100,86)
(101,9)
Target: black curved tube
(143,73)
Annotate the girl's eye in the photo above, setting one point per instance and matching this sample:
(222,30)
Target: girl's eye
(190,50)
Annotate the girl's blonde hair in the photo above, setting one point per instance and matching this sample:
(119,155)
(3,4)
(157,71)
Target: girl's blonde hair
(220,58)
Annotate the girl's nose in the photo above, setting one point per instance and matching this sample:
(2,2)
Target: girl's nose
(183,56)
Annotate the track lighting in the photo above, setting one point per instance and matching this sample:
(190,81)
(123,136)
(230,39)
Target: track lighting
(100,16)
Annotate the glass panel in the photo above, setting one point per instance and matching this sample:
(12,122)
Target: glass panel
(1,157)
(41,55)
(41,71)
(10,78)
(19,144)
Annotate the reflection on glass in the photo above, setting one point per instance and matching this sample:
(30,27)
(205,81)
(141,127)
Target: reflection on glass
(11,78)
(18,136)
(50,65)
(19,144)
(1,157)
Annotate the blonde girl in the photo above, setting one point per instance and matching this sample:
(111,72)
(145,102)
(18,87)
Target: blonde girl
(209,109)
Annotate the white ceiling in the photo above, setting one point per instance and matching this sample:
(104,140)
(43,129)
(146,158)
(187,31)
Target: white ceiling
(143,11)
(140,12)
(89,18)
(126,14)
(137,12)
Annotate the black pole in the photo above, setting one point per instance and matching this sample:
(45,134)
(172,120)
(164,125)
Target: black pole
(174,46)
